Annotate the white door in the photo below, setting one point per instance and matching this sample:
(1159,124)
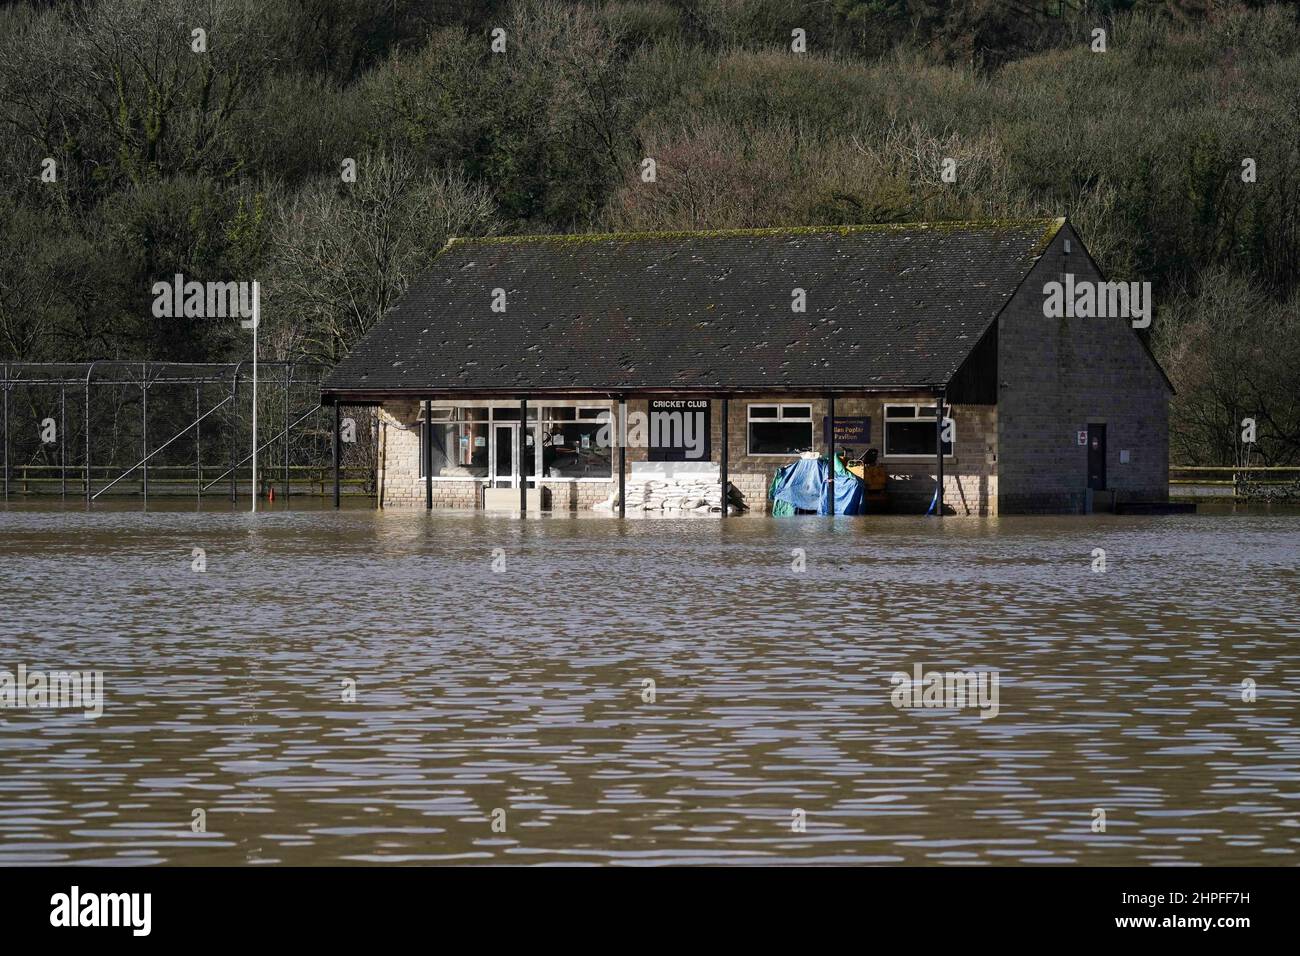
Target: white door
(504,455)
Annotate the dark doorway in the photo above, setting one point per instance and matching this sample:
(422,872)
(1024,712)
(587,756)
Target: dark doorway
(1097,457)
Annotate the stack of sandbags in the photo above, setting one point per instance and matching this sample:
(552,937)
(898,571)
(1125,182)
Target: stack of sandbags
(684,494)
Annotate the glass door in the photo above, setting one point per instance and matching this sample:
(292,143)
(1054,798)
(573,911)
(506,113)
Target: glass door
(531,453)
(505,454)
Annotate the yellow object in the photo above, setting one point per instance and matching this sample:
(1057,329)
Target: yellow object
(875,477)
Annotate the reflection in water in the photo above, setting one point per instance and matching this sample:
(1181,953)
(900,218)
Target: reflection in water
(523,690)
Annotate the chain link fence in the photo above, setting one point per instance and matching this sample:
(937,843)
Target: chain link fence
(114,428)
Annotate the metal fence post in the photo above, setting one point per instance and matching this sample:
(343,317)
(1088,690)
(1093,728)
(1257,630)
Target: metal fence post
(198,441)
(63,441)
(5,388)
(144,431)
(288,388)
(234,435)
(90,371)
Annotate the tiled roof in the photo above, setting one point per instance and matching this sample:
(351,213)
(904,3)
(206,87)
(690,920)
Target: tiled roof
(895,305)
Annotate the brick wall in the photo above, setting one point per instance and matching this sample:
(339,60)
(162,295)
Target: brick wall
(399,471)
(970,478)
(1056,376)
(399,464)
(578,495)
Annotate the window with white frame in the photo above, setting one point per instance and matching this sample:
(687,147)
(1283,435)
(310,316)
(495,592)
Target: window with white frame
(464,439)
(572,443)
(909,432)
(460,438)
(780,430)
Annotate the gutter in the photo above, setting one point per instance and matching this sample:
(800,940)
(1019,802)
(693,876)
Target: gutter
(358,397)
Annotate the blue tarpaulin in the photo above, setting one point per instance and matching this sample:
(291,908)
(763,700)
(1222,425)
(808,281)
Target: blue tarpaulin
(803,485)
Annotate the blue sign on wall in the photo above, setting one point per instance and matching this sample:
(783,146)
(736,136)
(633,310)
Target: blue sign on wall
(850,431)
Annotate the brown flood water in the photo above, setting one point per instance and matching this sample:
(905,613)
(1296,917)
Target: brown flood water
(521,690)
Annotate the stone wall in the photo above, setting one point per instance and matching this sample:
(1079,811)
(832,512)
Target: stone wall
(970,477)
(399,471)
(399,464)
(1057,376)
(578,495)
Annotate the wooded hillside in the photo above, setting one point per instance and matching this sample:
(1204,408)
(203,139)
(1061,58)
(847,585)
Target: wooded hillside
(228,162)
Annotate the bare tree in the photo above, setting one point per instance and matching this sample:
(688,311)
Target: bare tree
(346,251)
(1233,354)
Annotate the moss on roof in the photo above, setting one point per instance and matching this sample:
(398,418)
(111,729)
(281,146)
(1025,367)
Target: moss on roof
(1050,227)
(895,303)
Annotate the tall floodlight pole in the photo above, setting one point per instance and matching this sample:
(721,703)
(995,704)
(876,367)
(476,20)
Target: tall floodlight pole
(257,315)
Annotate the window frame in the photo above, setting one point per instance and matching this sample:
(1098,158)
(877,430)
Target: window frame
(913,418)
(584,413)
(421,429)
(458,413)
(779,419)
